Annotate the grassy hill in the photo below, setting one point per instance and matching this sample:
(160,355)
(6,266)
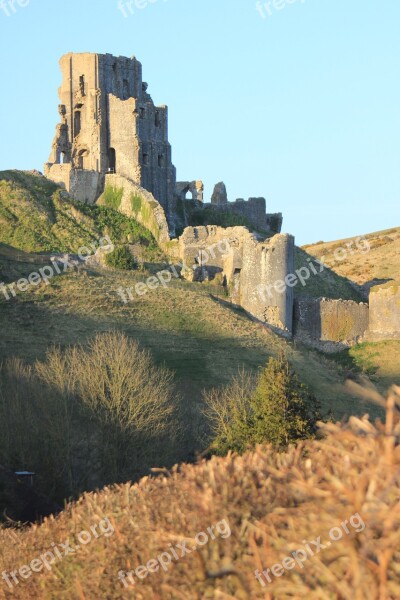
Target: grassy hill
(366,264)
(189,327)
(365,267)
(271,502)
(327,284)
(36,216)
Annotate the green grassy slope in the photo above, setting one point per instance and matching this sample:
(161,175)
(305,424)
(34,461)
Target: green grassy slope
(37,216)
(186,326)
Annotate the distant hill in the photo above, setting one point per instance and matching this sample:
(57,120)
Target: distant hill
(366,268)
(327,284)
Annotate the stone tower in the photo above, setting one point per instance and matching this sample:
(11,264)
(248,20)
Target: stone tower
(109,124)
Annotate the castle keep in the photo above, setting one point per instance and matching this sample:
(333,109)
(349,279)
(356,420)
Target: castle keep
(110,124)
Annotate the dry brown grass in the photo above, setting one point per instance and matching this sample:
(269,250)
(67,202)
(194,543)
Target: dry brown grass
(272,502)
(380,263)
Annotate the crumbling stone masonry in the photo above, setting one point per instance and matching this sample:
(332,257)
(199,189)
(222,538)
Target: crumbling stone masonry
(249,266)
(384,301)
(323,322)
(109,124)
(111,136)
(252,210)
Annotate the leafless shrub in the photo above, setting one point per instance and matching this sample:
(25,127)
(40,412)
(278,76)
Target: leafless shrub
(88,416)
(220,403)
(116,380)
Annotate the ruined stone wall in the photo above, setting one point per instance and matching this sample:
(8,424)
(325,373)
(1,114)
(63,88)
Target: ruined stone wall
(266,263)
(384,301)
(85,185)
(123,137)
(324,321)
(249,265)
(254,209)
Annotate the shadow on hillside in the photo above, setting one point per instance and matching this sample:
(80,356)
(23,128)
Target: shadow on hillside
(366,287)
(200,357)
(323,282)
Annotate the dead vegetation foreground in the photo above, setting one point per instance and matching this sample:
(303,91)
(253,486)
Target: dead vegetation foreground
(274,505)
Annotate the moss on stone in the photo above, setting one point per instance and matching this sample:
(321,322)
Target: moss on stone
(112,197)
(136,204)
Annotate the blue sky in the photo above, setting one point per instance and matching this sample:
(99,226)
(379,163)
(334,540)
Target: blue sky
(296,101)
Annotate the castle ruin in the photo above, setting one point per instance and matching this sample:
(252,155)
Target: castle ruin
(112,136)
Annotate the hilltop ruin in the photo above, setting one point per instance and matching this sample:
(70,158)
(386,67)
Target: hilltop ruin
(112,146)
(113,137)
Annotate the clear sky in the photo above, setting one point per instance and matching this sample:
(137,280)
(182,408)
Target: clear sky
(298,101)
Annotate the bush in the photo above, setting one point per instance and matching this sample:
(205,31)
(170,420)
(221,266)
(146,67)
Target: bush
(88,416)
(121,258)
(115,379)
(276,408)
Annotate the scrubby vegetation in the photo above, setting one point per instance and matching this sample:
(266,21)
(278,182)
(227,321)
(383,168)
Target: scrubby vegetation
(37,216)
(211,216)
(112,197)
(88,415)
(273,503)
(121,258)
(276,408)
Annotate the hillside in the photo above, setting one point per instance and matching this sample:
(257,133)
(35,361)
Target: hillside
(366,261)
(321,521)
(366,264)
(188,327)
(37,216)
